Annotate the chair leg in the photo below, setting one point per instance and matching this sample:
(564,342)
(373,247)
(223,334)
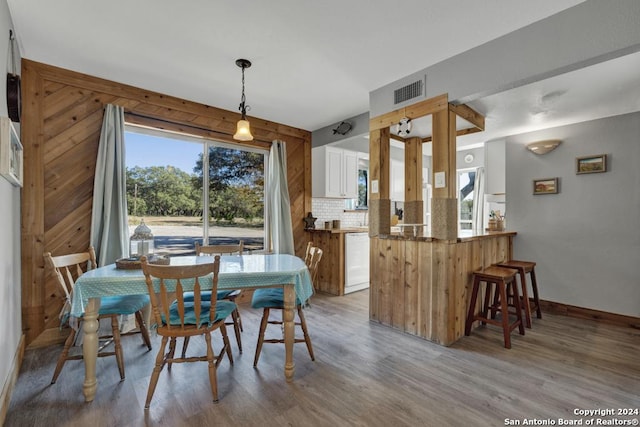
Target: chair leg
(487,300)
(212,366)
(307,339)
(233,300)
(472,307)
(63,356)
(263,327)
(156,372)
(115,328)
(143,330)
(226,345)
(240,321)
(518,306)
(505,314)
(536,298)
(236,328)
(525,297)
(172,352)
(185,344)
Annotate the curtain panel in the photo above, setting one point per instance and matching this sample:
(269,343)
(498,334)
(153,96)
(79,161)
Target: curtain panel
(109,228)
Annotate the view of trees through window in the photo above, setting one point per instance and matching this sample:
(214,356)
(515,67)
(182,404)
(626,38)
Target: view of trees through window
(165,180)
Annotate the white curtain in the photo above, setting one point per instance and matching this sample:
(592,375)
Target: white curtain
(478,201)
(109,230)
(278,204)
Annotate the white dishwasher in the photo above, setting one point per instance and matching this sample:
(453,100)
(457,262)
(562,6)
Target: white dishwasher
(356,263)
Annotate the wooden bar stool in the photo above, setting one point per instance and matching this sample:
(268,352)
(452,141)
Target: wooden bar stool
(503,278)
(523,268)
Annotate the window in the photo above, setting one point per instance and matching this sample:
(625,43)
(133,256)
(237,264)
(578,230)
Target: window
(466,184)
(165,183)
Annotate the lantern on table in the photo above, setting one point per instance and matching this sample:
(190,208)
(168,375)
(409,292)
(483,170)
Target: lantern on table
(141,242)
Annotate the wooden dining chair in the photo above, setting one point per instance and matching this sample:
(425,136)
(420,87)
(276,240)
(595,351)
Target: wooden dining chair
(227,294)
(273,299)
(67,269)
(179,317)
(307,253)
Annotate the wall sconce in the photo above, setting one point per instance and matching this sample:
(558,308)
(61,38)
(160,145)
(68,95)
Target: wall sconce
(543,147)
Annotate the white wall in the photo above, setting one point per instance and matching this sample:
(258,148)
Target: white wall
(10,288)
(586,239)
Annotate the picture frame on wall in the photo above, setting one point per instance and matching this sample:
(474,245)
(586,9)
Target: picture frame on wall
(591,164)
(545,186)
(11,154)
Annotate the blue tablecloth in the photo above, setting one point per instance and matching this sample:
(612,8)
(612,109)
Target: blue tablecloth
(236,272)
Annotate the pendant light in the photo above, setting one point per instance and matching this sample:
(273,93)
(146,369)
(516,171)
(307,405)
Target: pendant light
(243,131)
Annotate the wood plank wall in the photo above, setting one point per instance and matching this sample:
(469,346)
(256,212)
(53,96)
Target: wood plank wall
(62,118)
(423,287)
(330,278)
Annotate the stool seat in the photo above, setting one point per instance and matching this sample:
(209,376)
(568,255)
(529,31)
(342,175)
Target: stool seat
(523,268)
(504,280)
(527,265)
(495,272)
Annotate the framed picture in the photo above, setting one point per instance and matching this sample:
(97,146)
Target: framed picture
(591,164)
(545,186)
(10,153)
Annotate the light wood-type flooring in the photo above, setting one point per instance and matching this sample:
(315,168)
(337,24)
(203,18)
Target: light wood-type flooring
(365,374)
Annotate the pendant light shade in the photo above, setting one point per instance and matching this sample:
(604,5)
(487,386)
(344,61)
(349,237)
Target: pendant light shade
(243,131)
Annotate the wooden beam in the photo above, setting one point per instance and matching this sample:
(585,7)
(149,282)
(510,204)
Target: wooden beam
(469,114)
(417,110)
(458,133)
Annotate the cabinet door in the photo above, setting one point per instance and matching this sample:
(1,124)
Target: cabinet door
(350,174)
(333,173)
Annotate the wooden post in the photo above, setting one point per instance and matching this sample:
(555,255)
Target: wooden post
(379,201)
(444,205)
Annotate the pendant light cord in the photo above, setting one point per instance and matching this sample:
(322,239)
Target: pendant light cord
(243,108)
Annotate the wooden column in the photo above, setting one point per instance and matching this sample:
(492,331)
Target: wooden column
(379,202)
(32,232)
(413,206)
(444,207)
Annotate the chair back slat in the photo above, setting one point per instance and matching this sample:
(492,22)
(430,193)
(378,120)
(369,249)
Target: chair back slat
(307,253)
(164,301)
(314,260)
(67,268)
(185,279)
(220,249)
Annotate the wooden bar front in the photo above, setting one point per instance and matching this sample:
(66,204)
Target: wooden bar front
(422,286)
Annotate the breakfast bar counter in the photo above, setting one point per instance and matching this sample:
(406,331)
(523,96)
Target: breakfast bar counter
(422,285)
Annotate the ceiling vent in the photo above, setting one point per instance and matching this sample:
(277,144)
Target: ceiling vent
(410,91)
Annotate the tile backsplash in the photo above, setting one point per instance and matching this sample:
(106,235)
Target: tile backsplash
(330,209)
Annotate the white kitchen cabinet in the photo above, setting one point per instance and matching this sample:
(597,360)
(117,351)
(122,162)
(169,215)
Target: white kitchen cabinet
(335,173)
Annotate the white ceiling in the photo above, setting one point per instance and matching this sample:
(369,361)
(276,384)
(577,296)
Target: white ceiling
(314,62)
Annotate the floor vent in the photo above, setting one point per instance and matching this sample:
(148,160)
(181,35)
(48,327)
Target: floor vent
(407,92)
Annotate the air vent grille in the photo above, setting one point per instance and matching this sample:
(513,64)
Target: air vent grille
(407,92)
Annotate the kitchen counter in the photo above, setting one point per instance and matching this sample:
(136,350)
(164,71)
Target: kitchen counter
(463,236)
(339,230)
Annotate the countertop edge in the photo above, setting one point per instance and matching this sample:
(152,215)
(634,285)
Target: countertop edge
(337,230)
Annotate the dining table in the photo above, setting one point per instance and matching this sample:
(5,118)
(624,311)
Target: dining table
(250,271)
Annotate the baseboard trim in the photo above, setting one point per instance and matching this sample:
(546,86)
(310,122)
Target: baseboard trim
(7,389)
(587,313)
(50,337)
